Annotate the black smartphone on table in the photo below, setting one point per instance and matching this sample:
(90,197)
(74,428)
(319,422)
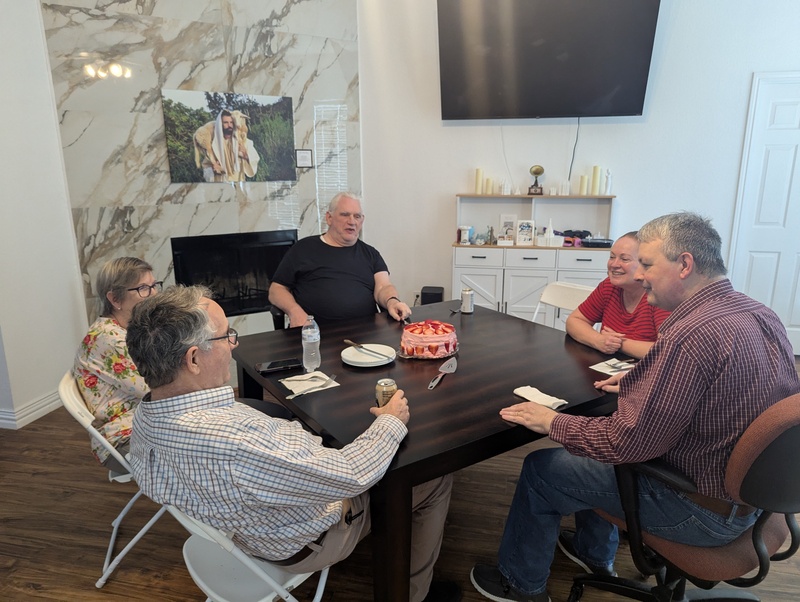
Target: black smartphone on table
(291,363)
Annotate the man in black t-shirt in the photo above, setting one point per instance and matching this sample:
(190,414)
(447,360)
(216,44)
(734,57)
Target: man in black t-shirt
(335,276)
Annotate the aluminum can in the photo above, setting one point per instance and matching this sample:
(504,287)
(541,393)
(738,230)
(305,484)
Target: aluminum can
(384,390)
(467,301)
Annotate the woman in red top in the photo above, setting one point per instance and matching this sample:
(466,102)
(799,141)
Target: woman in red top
(628,324)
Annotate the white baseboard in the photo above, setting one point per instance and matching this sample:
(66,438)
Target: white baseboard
(30,412)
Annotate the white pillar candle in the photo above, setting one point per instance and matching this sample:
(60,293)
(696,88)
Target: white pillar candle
(478,181)
(488,187)
(583,186)
(596,180)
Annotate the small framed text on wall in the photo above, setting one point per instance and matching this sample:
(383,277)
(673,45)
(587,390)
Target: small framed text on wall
(303,157)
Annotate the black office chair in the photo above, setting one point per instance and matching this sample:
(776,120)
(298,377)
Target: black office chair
(762,472)
(278,318)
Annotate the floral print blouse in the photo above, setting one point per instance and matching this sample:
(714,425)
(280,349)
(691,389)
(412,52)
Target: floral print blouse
(109,382)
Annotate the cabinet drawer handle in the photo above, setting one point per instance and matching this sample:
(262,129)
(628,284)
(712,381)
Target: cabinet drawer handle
(579,259)
(531,259)
(484,257)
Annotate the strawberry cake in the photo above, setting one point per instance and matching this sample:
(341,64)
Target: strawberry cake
(428,340)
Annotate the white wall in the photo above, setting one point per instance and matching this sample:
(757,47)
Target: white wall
(683,153)
(42,316)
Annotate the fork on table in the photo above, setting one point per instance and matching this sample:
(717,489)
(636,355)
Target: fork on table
(331,379)
(621,365)
(300,378)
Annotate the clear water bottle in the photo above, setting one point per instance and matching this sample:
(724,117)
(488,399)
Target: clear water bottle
(310,333)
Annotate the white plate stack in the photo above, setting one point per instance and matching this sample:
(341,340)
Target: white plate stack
(363,358)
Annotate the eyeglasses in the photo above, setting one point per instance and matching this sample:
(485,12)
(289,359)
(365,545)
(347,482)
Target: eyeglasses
(232,336)
(146,290)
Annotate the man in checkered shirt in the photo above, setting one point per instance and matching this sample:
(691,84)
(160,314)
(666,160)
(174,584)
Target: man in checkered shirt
(284,496)
(720,360)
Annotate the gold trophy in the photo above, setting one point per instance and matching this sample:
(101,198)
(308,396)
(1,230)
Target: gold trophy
(536,171)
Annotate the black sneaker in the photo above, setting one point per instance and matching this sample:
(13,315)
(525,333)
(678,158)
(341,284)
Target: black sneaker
(443,591)
(565,543)
(489,581)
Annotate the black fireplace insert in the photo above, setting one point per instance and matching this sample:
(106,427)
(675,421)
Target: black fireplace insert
(238,268)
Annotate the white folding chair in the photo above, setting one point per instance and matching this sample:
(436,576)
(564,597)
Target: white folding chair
(73,400)
(562,295)
(226,573)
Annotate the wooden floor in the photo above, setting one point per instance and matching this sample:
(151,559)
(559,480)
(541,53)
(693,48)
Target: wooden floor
(56,507)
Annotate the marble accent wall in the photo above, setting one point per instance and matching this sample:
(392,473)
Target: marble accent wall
(112,128)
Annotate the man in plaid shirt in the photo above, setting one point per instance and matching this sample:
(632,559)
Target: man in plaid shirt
(720,360)
(283,495)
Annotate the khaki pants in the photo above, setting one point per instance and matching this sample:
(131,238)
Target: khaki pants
(429,504)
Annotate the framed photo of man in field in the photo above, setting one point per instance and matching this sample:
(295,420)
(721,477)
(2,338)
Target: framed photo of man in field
(224,137)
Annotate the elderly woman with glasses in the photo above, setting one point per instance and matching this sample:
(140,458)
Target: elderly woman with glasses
(107,378)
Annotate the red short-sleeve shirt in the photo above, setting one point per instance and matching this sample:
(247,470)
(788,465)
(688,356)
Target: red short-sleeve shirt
(606,305)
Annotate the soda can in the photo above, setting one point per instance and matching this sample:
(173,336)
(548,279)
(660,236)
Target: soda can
(384,390)
(467,301)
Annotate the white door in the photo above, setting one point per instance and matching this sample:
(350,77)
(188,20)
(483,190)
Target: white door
(486,282)
(521,292)
(764,259)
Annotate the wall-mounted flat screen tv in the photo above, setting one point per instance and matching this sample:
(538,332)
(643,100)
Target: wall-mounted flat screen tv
(512,59)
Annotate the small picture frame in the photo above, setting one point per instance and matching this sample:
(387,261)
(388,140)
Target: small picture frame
(303,157)
(525,232)
(507,225)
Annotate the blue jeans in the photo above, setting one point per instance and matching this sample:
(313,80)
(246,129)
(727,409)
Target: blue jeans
(554,483)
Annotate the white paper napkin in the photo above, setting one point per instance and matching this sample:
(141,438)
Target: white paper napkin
(534,394)
(612,367)
(302,382)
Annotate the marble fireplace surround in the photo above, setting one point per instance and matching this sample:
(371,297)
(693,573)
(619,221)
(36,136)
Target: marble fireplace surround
(112,130)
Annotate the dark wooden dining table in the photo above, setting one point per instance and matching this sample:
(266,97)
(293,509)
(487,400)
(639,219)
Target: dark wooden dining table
(453,426)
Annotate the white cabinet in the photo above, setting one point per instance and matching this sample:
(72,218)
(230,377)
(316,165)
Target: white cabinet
(587,267)
(487,284)
(511,279)
(479,256)
(583,260)
(527,272)
(521,292)
(481,269)
(531,257)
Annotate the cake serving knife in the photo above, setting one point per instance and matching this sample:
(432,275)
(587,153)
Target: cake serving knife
(367,349)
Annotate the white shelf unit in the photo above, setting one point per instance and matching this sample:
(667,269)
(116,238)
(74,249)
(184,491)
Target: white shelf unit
(592,213)
(511,279)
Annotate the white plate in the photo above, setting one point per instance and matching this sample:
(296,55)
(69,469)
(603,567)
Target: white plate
(364,359)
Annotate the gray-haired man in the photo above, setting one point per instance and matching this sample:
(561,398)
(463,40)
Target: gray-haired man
(287,498)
